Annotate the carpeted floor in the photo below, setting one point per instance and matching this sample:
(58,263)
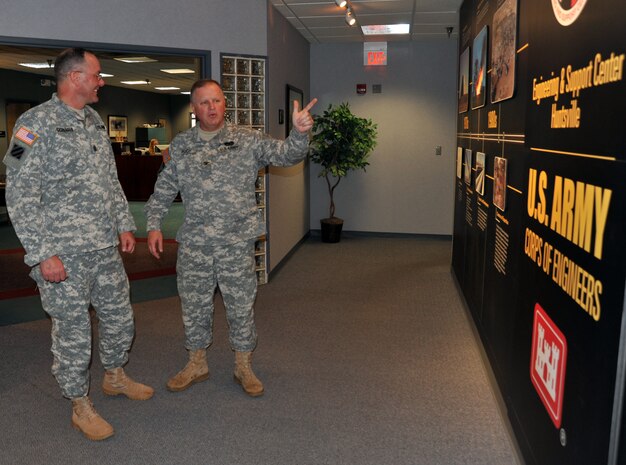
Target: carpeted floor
(366,351)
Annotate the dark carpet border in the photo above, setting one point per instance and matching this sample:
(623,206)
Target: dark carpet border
(32,291)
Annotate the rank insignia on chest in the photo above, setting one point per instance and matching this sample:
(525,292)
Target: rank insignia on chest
(230,145)
(26,136)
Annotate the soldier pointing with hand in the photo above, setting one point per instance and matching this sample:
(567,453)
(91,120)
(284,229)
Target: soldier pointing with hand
(214,166)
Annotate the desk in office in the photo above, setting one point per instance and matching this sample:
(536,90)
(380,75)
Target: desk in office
(137,175)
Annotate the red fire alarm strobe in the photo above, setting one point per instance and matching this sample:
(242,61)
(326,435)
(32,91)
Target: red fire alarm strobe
(361,88)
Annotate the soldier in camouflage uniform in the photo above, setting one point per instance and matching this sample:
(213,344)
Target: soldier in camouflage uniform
(214,166)
(68,209)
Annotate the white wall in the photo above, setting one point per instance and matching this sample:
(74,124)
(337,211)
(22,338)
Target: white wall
(406,189)
(288,58)
(215,25)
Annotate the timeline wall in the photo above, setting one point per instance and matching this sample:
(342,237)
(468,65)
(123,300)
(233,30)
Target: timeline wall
(540,216)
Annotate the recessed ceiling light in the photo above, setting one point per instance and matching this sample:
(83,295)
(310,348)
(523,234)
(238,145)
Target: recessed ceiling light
(36,65)
(105,75)
(135,59)
(167,88)
(178,71)
(385,29)
(186,92)
(135,83)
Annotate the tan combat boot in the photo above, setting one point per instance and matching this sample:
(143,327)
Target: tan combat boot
(86,419)
(245,376)
(195,371)
(116,382)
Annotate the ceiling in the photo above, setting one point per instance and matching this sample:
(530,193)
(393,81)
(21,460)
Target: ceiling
(322,21)
(319,21)
(11,56)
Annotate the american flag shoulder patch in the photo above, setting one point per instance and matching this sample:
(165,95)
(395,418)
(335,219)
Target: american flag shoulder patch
(26,136)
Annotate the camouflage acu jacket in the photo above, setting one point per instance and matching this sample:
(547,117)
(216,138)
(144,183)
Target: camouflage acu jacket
(63,195)
(216,180)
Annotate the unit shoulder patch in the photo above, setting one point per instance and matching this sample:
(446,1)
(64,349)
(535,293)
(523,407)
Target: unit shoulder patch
(19,148)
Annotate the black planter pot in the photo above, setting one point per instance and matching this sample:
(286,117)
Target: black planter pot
(331,229)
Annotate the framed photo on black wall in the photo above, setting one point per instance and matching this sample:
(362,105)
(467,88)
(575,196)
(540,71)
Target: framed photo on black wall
(503,51)
(464,78)
(479,69)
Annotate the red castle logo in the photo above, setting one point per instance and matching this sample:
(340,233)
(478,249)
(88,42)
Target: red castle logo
(547,364)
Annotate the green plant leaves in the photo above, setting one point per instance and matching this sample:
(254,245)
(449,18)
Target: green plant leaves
(341,142)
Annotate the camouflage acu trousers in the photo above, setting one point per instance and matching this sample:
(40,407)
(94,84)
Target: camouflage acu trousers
(200,269)
(98,278)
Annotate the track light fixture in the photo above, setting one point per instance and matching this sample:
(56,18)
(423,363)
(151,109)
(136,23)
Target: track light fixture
(350,19)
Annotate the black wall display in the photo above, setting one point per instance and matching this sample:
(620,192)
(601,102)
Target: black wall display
(539,255)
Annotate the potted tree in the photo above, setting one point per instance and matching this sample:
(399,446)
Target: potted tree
(341,142)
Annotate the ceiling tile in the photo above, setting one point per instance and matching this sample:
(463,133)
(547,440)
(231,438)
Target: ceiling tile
(324,21)
(379,7)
